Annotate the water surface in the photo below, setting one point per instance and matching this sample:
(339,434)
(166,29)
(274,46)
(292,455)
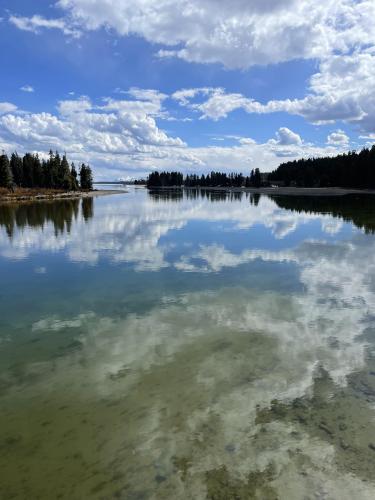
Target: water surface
(171,345)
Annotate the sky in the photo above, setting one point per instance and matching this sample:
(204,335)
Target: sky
(131,86)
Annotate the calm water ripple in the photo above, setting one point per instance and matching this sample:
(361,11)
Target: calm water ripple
(188,345)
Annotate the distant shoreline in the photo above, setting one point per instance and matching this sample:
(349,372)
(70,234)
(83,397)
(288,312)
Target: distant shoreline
(279,191)
(39,195)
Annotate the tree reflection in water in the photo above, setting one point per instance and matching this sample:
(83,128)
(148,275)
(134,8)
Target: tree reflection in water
(61,213)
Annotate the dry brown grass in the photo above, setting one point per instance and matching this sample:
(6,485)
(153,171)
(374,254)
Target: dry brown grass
(28,193)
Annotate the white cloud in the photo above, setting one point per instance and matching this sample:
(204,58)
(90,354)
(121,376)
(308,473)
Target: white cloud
(71,106)
(237,34)
(184,96)
(339,35)
(286,137)
(343,89)
(27,88)
(338,138)
(36,24)
(151,95)
(118,132)
(121,137)
(7,107)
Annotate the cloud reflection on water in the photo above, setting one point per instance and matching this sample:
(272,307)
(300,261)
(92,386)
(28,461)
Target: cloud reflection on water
(192,376)
(132,228)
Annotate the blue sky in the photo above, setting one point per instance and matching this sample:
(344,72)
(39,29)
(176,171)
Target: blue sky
(136,85)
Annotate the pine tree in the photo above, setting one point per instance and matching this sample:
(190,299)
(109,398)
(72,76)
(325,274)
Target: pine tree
(74,177)
(89,178)
(28,170)
(17,169)
(65,177)
(85,176)
(6,180)
(60,166)
(257,178)
(38,174)
(47,174)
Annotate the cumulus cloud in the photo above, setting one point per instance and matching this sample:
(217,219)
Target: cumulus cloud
(72,106)
(286,137)
(338,138)
(343,89)
(7,107)
(113,128)
(122,137)
(332,97)
(338,35)
(237,34)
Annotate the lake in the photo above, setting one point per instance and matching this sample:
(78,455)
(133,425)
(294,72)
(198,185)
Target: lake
(188,345)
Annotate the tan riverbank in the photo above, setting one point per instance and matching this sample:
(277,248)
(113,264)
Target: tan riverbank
(43,194)
(287,191)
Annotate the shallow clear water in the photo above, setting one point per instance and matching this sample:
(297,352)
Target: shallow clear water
(187,346)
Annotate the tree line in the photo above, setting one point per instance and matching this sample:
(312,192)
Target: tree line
(348,170)
(213,179)
(54,173)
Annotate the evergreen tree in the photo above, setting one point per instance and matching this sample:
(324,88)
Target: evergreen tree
(89,178)
(257,178)
(38,174)
(60,170)
(17,169)
(6,180)
(65,177)
(47,174)
(74,177)
(85,176)
(28,170)
(52,170)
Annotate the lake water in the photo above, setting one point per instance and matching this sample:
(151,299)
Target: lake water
(171,345)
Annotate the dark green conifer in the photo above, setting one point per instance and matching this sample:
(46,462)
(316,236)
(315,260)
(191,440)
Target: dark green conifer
(74,177)
(6,180)
(17,169)
(85,176)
